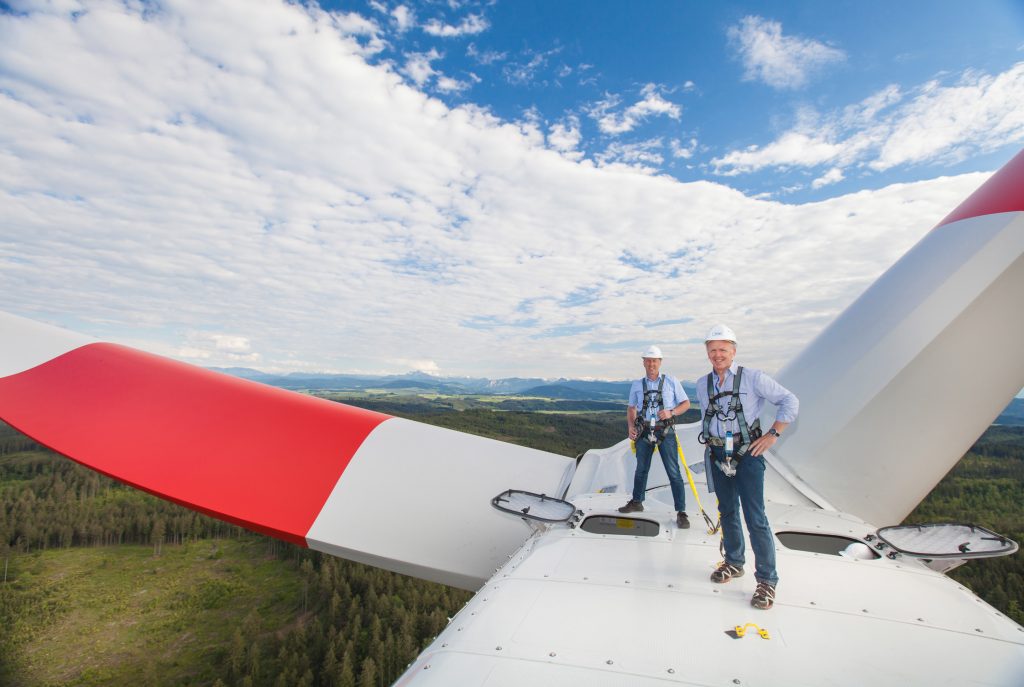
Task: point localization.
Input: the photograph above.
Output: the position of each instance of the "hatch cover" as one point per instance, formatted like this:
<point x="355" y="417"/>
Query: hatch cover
<point x="950" y="540"/>
<point x="540" y="507"/>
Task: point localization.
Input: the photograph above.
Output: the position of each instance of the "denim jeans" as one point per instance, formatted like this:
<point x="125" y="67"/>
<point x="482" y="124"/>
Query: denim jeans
<point x="746" y="488"/>
<point x="669" y="450"/>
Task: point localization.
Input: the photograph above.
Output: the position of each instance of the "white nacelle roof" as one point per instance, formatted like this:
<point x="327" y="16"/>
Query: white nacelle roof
<point x="575" y="608"/>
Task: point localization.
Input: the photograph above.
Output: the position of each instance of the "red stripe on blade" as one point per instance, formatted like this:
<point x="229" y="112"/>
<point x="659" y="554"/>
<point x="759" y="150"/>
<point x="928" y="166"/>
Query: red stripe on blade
<point x="254" y="455"/>
<point x="1003" y="192"/>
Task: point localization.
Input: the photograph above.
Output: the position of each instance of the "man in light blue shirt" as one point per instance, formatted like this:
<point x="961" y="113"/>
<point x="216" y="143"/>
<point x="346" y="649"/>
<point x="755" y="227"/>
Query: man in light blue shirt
<point x="728" y="396"/>
<point x="654" y="402"/>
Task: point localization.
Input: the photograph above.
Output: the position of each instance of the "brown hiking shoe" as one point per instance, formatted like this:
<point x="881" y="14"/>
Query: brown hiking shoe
<point x="682" y="521"/>
<point x="726" y="572"/>
<point x="764" y="596"/>
<point x="632" y="507"/>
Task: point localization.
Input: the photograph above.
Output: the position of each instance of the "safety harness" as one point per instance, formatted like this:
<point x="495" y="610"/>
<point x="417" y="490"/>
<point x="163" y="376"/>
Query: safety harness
<point x="734" y="411"/>
<point x="653" y="398"/>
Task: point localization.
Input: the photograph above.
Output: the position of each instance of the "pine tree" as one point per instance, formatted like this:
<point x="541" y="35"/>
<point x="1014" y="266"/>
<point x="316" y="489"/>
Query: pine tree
<point x="368" y="673"/>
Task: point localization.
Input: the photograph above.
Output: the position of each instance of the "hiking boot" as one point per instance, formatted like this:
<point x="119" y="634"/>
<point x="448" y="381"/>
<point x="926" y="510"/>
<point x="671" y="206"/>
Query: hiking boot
<point x="632" y="507"/>
<point x="764" y="596"/>
<point x="725" y="572"/>
<point x="682" y="521"/>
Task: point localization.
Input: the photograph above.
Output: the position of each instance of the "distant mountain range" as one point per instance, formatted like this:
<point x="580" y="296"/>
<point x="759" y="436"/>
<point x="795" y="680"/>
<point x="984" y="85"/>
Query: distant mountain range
<point x="557" y="389"/>
<point x="1013" y="414"/>
<point x="418" y="382"/>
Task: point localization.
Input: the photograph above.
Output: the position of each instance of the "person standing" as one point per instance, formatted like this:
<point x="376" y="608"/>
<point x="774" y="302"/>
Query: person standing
<point x="654" y="402"/>
<point x="728" y="395"/>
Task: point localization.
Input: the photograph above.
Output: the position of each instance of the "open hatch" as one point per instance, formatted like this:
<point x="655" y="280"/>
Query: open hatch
<point x="532" y="506"/>
<point x="950" y="540"/>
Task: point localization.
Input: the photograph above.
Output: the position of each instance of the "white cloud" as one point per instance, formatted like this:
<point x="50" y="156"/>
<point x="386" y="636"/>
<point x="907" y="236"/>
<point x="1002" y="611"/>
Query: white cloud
<point x="404" y="18"/>
<point x="978" y="114"/>
<point x="469" y="26"/>
<point x="486" y="57"/>
<point x="792" y="149"/>
<point x="425" y="366"/>
<point x="418" y="66"/>
<point x="652" y="104"/>
<point x="524" y="73"/>
<point x="207" y="347"/>
<point x="645" y="155"/>
<point x="565" y="137"/>
<point x="239" y="169"/>
<point x="446" y="84"/>
<point x="777" y="60"/>
<point x="929" y="124"/>
<point x="230" y="343"/>
<point x="832" y="176"/>
<point x="355" y="24"/>
<point x="681" y="150"/>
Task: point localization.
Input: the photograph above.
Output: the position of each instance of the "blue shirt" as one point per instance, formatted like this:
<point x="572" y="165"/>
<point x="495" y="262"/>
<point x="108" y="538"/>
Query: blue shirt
<point x="672" y="393"/>
<point x="756" y="387"/>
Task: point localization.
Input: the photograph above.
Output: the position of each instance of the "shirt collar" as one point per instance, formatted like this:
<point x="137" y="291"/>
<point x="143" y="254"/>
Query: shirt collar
<point x="732" y="372"/>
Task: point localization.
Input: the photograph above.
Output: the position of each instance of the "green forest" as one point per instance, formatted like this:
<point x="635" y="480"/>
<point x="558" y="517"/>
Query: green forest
<point x="101" y="584"/>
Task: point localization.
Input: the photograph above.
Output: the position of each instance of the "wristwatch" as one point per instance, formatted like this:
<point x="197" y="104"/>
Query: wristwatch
<point x="774" y="433"/>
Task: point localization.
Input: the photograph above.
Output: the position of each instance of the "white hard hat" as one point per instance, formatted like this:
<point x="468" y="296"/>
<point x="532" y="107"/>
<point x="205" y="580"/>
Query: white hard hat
<point x="720" y="333"/>
<point x="652" y="352"/>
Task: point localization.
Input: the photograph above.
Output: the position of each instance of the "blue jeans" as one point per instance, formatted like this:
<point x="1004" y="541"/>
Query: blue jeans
<point x="669" y="451"/>
<point x="747" y="487"/>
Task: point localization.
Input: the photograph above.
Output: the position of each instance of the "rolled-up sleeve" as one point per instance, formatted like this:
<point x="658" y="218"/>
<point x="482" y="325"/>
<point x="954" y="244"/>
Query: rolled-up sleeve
<point x="678" y="392"/>
<point x="787" y="403"/>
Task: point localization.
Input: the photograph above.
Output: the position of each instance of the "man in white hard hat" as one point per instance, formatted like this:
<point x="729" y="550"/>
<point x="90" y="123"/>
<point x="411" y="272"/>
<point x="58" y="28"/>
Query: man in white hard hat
<point x="728" y="396"/>
<point x="654" y="402"/>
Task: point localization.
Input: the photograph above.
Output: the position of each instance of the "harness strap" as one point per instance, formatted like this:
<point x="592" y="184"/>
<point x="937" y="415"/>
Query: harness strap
<point x="737" y="407"/>
<point x="709" y="412"/>
<point x="734" y="411"/>
<point x="653" y="397"/>
<point x="648" y="393"/>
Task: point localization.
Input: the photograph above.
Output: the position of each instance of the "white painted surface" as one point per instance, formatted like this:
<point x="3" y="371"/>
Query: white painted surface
<point x="24" y="344"/>
<point x="899" y="386"/>
<point x="417" y="499"/>
<point x="573" y="608"/>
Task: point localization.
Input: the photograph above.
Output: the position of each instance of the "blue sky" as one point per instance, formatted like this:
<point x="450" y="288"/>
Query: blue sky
<point x="683" y="87"/>
<point x="495" y="189"/>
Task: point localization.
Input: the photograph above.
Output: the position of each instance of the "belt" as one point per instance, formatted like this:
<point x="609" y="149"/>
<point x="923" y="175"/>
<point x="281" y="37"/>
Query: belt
<point x="718" y="442"/>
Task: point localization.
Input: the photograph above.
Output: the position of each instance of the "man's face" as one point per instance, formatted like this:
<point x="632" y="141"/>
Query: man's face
<point x="721" y="354"/>
<point x="653" y="367"/>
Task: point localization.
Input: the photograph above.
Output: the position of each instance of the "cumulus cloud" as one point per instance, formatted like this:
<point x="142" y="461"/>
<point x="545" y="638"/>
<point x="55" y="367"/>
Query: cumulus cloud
<point x="565" y="137"/>
<point x="446" y="84"/>
<point x="203" y="346"/>
<point x="977" y="114"/>
<point x="240" y="170"/>
<point x="683" y="150"/>
<point x="933" y="123"/>
<point x="469" y="26"/>
<point x="645" y="155"/>
<point x="404" y="18"/>
<point x="832" y="176"/>
<point x="784" y="62"/>
<point x="425" y="366"/>
<point x="652" y="104"/>
<point x="418" y="66"/>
